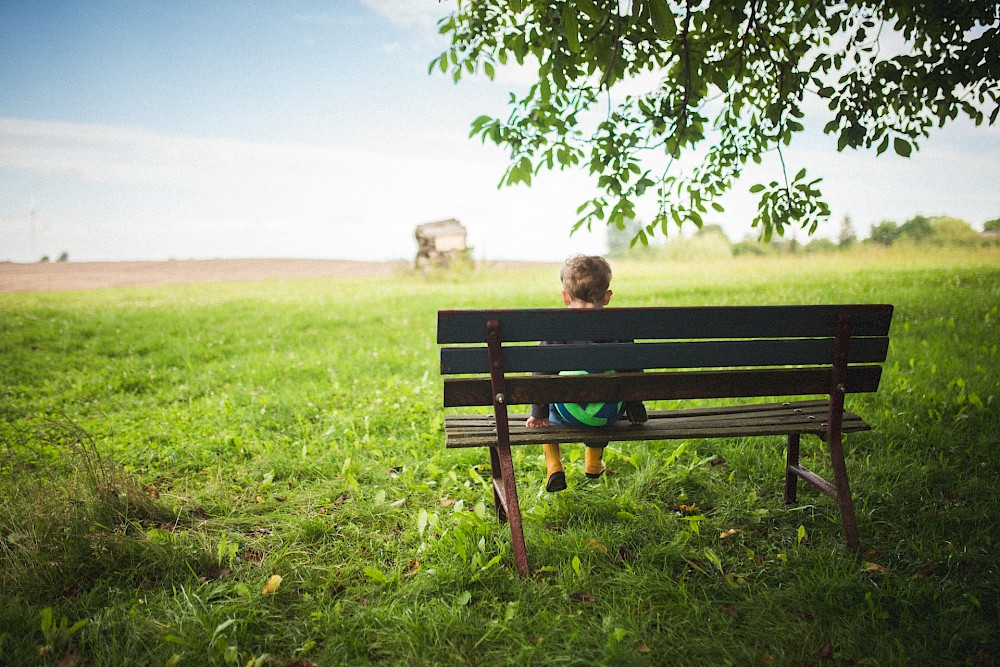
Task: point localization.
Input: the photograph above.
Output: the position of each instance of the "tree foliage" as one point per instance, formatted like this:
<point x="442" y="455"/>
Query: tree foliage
<point x="939" y="230"/>
<point x="728" y="84"/>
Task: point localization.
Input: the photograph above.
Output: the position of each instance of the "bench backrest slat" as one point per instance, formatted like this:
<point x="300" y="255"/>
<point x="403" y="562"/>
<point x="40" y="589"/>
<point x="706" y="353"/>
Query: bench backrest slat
<point x="681" y="323"/>
<point x="462" y="392"/>
<point x="694" y="354"/>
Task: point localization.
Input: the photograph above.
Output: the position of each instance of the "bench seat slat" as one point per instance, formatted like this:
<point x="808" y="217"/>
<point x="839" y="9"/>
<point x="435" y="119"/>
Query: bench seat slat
<point x="720" y="410"/>
<point x="676" y="385"/>
<point x="737" y="421"/>
<point x="469" y="326"/>
<point x="696" y="354"/>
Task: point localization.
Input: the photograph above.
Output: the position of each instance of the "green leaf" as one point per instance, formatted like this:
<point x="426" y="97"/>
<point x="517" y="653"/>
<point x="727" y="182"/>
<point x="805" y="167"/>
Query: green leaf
<point x="902" y="147"/>
<point x="76" y="627"/>
<point x="713" y="558"/>
<point x="46" y="619"/>
<point x="493" y="561"/>
<point x="663" y="19"/>
<point x="376" y="575"/>
<point x="882" y="146"/>
<point x="756" y="187"/>
<point x="590" y="9"/>
<point x="571" y="29"/>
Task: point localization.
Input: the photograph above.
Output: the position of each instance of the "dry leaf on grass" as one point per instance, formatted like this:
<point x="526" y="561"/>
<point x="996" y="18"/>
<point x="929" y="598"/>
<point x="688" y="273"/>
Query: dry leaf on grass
<point x="596" y="545"/>
<point x="70" y="658"/>
<point x="875" y="568"/>
<point x="272" y="585"/>
<point x="729" y="610"/>
<point x="625" y="556"/>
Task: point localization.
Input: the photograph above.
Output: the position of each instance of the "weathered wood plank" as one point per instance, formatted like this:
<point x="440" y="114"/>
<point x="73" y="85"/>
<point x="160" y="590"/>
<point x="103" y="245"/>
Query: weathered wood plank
<point x="675" y="385"/>
<point x="599" y="357"/>
<point x="809" y="321"/>
<point x="797" y="410"/>
<point x="812" y="405"/>
<point x="753" y="420"/>
<point x="814" y="479"/>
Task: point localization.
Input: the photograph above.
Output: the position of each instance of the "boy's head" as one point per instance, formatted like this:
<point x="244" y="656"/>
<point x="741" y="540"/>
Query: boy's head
<point x="585" y="281"/>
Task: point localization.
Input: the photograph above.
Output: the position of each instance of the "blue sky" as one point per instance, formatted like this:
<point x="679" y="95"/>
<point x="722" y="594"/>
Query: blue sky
<point x="140" y="130"/>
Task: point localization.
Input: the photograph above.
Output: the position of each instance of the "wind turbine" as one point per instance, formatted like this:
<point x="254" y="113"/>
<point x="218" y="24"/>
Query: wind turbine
<point x="31" y="219"/>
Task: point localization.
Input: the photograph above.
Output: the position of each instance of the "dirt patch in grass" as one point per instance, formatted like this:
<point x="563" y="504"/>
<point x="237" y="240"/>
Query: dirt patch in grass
<point x="68" y="276"/>
<point x="63" y="276"/>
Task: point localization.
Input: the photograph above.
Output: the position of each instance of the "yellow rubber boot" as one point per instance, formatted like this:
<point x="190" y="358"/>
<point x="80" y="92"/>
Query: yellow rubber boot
<point x="554" y="473"/>
<point x="593" y="462"/>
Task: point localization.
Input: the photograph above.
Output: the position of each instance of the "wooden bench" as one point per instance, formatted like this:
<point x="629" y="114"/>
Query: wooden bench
<point x="679" y="354"/>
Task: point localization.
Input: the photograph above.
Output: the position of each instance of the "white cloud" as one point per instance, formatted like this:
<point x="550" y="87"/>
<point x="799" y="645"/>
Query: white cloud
<point x="328" y="19"/>
<point x="144" y="195"/>
<point x="422" y="14"/>
<point x="118" y="193"/>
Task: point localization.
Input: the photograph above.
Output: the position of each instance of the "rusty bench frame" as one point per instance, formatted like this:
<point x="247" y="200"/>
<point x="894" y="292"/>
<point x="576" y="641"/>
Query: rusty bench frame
<point x="738" y="352"/>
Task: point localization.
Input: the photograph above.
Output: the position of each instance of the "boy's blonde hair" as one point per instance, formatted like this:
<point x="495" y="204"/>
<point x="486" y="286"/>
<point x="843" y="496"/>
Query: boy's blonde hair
<point x="586" y="278"/>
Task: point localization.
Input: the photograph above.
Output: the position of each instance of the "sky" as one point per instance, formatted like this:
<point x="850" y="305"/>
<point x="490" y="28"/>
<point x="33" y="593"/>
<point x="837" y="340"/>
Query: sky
<point x="301" y="129"/>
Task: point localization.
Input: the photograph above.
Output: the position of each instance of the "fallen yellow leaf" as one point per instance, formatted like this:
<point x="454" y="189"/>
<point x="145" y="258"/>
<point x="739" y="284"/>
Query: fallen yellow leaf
<point x="727" y="533"/>
<point x="272" y="585"/>
<point x="595" y="545"/>
<point x="875" y="568"/>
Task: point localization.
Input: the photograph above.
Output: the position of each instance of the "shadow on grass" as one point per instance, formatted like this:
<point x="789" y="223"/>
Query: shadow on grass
<point x="70" y="517"/>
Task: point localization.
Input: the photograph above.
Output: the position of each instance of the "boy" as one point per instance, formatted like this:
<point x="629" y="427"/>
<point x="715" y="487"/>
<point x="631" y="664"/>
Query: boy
<point x="585" y="282"/>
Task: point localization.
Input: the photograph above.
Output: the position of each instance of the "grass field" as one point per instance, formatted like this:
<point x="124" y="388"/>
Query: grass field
<point x="167" y="451"/>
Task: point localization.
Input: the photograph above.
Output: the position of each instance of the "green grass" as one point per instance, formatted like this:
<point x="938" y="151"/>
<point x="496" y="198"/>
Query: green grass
<point x="165" y="451"/>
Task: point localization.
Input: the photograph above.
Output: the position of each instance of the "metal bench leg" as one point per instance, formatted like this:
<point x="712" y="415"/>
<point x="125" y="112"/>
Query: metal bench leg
<point x="508" y="508"/>
<point x="791" y="460"/>
<point x="835" y="440"/>
<point x="504" y="488"/>
<point x="847" y="518"/>
<point x="497" y="478"/>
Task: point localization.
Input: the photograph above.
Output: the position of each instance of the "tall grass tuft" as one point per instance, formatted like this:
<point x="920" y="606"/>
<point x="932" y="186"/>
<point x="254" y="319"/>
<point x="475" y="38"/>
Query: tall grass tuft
<point x="69" y="515"/>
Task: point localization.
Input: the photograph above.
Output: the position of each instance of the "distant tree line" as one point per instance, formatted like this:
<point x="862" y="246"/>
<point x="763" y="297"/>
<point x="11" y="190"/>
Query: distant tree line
<point x="712" y="241"/>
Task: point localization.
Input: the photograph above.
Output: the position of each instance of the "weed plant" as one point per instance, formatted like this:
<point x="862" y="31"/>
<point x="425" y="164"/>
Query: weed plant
<point x="168" y="451"/>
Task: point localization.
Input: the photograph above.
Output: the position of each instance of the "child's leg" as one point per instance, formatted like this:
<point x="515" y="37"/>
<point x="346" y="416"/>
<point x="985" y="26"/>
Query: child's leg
<point x="593" y="460"/>
<point x="555" y="476"/>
